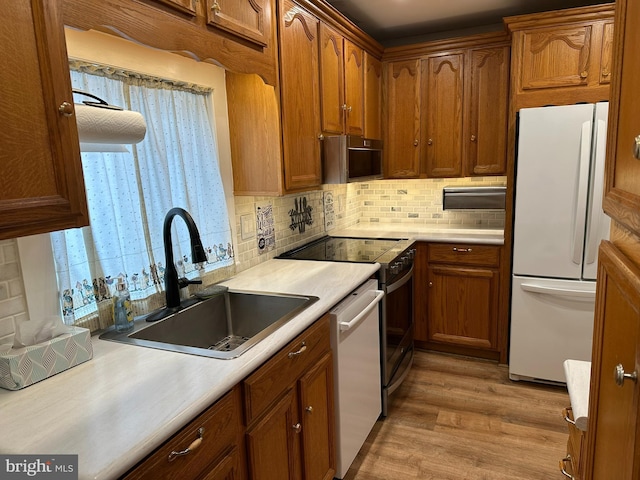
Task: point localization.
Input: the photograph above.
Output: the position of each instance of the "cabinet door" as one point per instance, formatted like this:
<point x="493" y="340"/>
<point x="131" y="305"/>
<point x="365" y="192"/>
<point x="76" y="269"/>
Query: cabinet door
<point x="606" y="56"/>
<point x="300" y="97"/>
<point x="614" y="451"/>
<point x="228" y="468"/>
<point x="463" y="305"/>
<point x="316" y="407"/>
<point x="622" y="170"/>
<point x="354" y="88"/>
<point x="402" y="141"/>
<point x="41" y="183"/>
<point x="556" y="57"/>
<point x="372" y="97"/>
<point x="485" y="136"/>
<point x="247" y="19"/>
<point x="331" y="80"/>
<point x="443" y="80"/>
<point x="273" y="444"/>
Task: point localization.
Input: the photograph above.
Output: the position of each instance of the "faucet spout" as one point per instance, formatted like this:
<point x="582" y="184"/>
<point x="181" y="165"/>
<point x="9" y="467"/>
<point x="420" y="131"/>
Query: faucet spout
<point x="171" y="281"/>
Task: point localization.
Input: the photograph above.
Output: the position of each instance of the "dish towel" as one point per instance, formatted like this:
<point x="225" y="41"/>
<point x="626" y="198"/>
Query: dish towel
<point x="578" y="374"/>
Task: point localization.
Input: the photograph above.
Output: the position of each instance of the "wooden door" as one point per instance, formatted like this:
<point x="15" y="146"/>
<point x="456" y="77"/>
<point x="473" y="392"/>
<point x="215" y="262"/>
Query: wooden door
<point x="41" y="182"/>
<point x="273" y="444"/>
<point x="556" y="57"/>
<point x="332" y="80"/>
<point x="485" y="133"/>
<point x="613" y="406"/>
<point x="353" y="88"/>
<point x="300" y="97"/>
<point x="622" y="170"/>
<point x="317" y="419"/>
<point x="372" y="97"/>
<point x="606" y="55"/>
<point x="463" y="305"/>
<point x="247" y="19"/>
<point x="443" y="90"/>
<point x="402" y="133"/>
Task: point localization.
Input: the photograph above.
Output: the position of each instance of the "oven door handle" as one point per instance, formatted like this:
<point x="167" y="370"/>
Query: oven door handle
<point x="400" y="283"/>
<point x="352" y="323"/>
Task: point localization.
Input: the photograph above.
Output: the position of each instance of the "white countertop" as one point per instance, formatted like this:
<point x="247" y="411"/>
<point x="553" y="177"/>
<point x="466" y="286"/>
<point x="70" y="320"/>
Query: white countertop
<point x="424" y="233"/>
<point x="119" y="406"/>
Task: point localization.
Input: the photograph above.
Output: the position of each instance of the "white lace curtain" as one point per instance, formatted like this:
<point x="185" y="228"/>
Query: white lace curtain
<point x="129" y="194"/>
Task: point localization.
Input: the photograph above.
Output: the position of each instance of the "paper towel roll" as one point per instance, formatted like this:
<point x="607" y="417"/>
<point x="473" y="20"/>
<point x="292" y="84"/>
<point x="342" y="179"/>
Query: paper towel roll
<point x="578" y="375"/>
<point x="103" y="125"/>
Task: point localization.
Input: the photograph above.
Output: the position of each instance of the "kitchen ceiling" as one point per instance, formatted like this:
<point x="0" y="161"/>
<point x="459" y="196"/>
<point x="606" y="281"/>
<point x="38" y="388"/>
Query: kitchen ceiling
<point x="398" y="22"/>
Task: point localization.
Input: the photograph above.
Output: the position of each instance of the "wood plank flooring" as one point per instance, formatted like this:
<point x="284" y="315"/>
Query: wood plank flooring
<point x="456" y="418"/>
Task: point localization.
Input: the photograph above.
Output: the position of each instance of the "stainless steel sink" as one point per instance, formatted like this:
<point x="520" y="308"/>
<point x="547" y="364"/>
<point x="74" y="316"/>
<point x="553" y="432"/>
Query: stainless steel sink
<point x="224" y="326"/>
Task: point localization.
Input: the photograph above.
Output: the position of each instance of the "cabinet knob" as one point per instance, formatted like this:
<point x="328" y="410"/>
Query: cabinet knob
<point x="430" y="284"/>
<point x="606" y="74"/>
<point x="297" y="427"/>
<point x="215" y="7"/>
<point x="430" y="142"/>
<point x="344" y="107"/>
<point x="194" y="445"/>
<point x="320" y="136"/>
<point x="415" y="143"/>
<point x="309" y="409"/>
<point x="473" y="138"/>
<point x="584" y="74"/>
<point x="636" y="148"/>
<point x="620" y="376"/>
<point x="65" y="109"/>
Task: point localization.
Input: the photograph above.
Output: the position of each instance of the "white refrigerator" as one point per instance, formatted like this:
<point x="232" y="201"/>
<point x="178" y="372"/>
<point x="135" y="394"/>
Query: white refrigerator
<point x="558" y="226"/>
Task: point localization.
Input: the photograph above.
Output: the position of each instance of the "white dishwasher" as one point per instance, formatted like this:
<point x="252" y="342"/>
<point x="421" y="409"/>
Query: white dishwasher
<point x="355" y="340"/>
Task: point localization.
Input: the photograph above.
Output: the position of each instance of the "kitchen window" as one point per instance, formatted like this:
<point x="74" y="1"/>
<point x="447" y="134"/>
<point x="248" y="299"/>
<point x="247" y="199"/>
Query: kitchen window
<point x="129" y="193"/>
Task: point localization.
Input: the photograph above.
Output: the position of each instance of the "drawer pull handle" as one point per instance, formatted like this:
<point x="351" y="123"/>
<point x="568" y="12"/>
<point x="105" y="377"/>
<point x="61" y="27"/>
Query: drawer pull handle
<point x="297" y="427"/>
<point x="565" y="413"/>
<point x="636" y="148"/>
<point x="464" y="250"/>
<point x="620" y="376"/>
<point x="564" y="472"/>
<point x="299" y="352"/>
<point x="194" y="445"/>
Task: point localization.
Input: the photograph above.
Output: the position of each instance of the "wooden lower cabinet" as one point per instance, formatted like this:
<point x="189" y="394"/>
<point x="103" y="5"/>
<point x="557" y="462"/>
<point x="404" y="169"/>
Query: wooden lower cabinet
<point x="290" y="432"/>
<point x="211" y="447"/>
<point x="573" y="463"/>
<point x="457" y="295"/>
<point x="288" y="428"/>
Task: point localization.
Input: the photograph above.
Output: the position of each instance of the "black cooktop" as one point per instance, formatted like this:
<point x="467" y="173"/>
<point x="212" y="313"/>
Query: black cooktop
<point x="345" y="249"/>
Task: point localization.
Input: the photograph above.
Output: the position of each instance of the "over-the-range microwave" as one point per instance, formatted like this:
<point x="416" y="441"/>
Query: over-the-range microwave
<point x="349" y="158"/>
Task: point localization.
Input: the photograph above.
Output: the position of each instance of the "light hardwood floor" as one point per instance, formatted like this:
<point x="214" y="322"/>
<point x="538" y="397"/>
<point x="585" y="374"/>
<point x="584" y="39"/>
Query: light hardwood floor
<point x="458" y="418"/>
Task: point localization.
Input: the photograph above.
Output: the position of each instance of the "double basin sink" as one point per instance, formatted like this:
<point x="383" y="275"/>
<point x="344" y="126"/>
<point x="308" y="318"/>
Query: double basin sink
<point x="223" y="326"/>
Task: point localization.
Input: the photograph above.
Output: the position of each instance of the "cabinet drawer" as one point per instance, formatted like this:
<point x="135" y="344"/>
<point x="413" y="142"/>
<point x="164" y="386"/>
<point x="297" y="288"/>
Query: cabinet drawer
<point x="221" y="424"/>
<point x="267" y="383"/>
<point x="464" y="254"/>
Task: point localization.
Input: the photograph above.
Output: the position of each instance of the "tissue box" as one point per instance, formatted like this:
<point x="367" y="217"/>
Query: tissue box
<point x="21" y="367"/>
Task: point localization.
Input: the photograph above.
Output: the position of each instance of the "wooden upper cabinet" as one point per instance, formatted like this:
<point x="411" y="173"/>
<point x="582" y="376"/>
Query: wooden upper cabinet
<point x="300" y="97"/>
<point x="372" y="97"/>
<point x="557" y="56"/>
<point x="485" y="132"/>
<point x="41" y="182"/>
<point x="332" y="80"/>
<point x="443" y="92"/>
<point x="402" y="119"/>
<point x="622" y="168"/>
<point x="341" y="77"/>
<point x="247" y="19"/>
<point x="353" y="88"/>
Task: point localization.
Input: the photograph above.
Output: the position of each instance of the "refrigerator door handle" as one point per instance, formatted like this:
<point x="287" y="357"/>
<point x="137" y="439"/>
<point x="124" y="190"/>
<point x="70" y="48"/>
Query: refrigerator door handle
<point x="581" y="198"/>
<point x="595" y="215"/>
<point x="575" y="294"/>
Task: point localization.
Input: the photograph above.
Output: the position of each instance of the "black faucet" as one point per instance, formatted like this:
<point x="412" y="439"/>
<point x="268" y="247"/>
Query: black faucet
<point x="172" y="283"/>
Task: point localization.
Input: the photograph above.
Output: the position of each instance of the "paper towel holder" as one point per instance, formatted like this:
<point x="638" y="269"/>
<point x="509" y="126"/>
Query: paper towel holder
<point x="100" y="103"/>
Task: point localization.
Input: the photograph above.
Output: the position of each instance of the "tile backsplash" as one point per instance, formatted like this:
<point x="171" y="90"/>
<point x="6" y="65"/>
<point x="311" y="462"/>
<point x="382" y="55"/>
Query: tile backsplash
<point x="382" y="201"/>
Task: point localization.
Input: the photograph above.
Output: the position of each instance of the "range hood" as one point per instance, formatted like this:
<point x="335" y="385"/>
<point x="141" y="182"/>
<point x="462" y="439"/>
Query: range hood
<point x="473" y="198"/>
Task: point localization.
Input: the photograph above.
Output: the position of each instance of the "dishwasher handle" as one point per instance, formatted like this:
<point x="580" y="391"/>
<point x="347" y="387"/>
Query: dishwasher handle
<point x="353" y="322"/>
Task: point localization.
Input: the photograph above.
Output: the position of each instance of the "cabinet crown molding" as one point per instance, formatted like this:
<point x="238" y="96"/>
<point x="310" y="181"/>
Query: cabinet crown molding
<point x="559" y="17"/>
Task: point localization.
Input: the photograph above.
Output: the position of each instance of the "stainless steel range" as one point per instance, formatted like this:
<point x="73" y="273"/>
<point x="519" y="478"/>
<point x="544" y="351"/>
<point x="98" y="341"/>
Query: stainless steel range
<point x="395" y="278"/>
